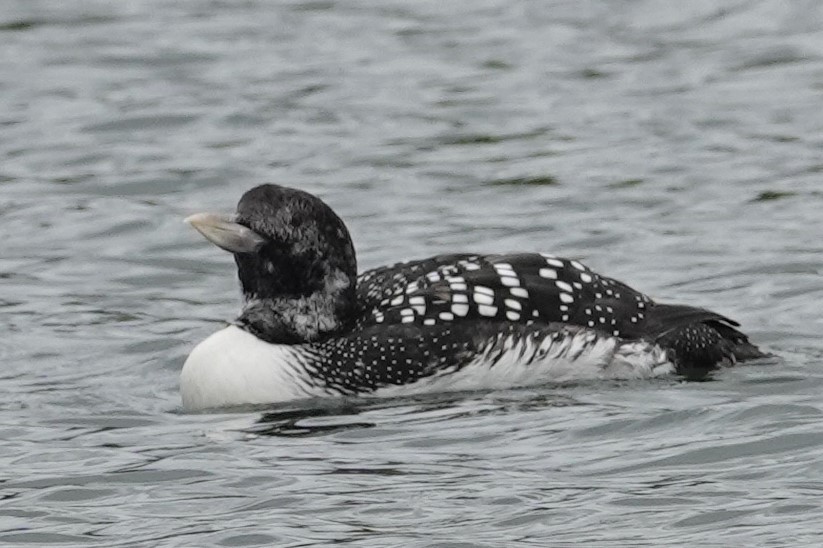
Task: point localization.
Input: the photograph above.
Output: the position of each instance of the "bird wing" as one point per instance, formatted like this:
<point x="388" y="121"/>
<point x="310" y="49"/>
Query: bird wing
<point x="523" y="287"/>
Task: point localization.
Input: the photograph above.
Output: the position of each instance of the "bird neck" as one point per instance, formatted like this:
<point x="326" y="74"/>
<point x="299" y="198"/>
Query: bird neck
<point x="302" y="318"/>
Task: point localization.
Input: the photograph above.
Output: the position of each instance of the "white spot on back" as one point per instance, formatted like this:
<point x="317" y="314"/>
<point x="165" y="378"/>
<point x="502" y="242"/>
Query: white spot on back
<point x="510" y="281"/>
<point x="563" y="286"/>
<point x="486" y="310"/>
<point x="519" y="292"/>
<point x="460" y="309"/>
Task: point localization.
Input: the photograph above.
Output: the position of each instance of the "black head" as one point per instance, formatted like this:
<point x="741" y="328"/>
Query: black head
<point x="295" y="260"/>
<point x="304" y="244"/>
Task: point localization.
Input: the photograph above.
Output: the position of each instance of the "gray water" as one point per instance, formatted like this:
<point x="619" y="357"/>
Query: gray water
<point x="672" y="145"/>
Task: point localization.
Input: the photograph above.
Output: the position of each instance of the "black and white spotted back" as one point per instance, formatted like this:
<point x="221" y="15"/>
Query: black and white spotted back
<point x="524" y="288"/>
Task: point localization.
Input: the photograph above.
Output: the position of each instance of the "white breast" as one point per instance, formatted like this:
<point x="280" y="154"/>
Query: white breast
<point x="233" y="367"/>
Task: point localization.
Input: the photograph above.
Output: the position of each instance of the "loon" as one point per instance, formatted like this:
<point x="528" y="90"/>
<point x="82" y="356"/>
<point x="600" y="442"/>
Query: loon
<point x="310" y="326"/>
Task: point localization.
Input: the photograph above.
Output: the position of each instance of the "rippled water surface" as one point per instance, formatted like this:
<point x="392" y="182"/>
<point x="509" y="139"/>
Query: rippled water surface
<point x="673" y="145"/>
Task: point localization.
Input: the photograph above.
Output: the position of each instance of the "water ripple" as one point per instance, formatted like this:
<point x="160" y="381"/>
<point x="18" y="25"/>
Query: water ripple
<point x="676" y="149"/>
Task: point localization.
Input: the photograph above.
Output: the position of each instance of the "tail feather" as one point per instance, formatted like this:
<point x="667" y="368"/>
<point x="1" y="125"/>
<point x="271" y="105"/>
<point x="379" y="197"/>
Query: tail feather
<point x="699" y="340"/>
<point x="742" y="348"/>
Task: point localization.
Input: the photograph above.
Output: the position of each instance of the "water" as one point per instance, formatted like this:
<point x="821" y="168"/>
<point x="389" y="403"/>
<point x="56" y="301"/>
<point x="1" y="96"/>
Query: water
<point x="675" y="146"/>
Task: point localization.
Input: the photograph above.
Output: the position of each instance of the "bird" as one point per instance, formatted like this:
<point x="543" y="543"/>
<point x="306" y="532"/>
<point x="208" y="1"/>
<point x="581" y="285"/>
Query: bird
<point x="311" y="326"/>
